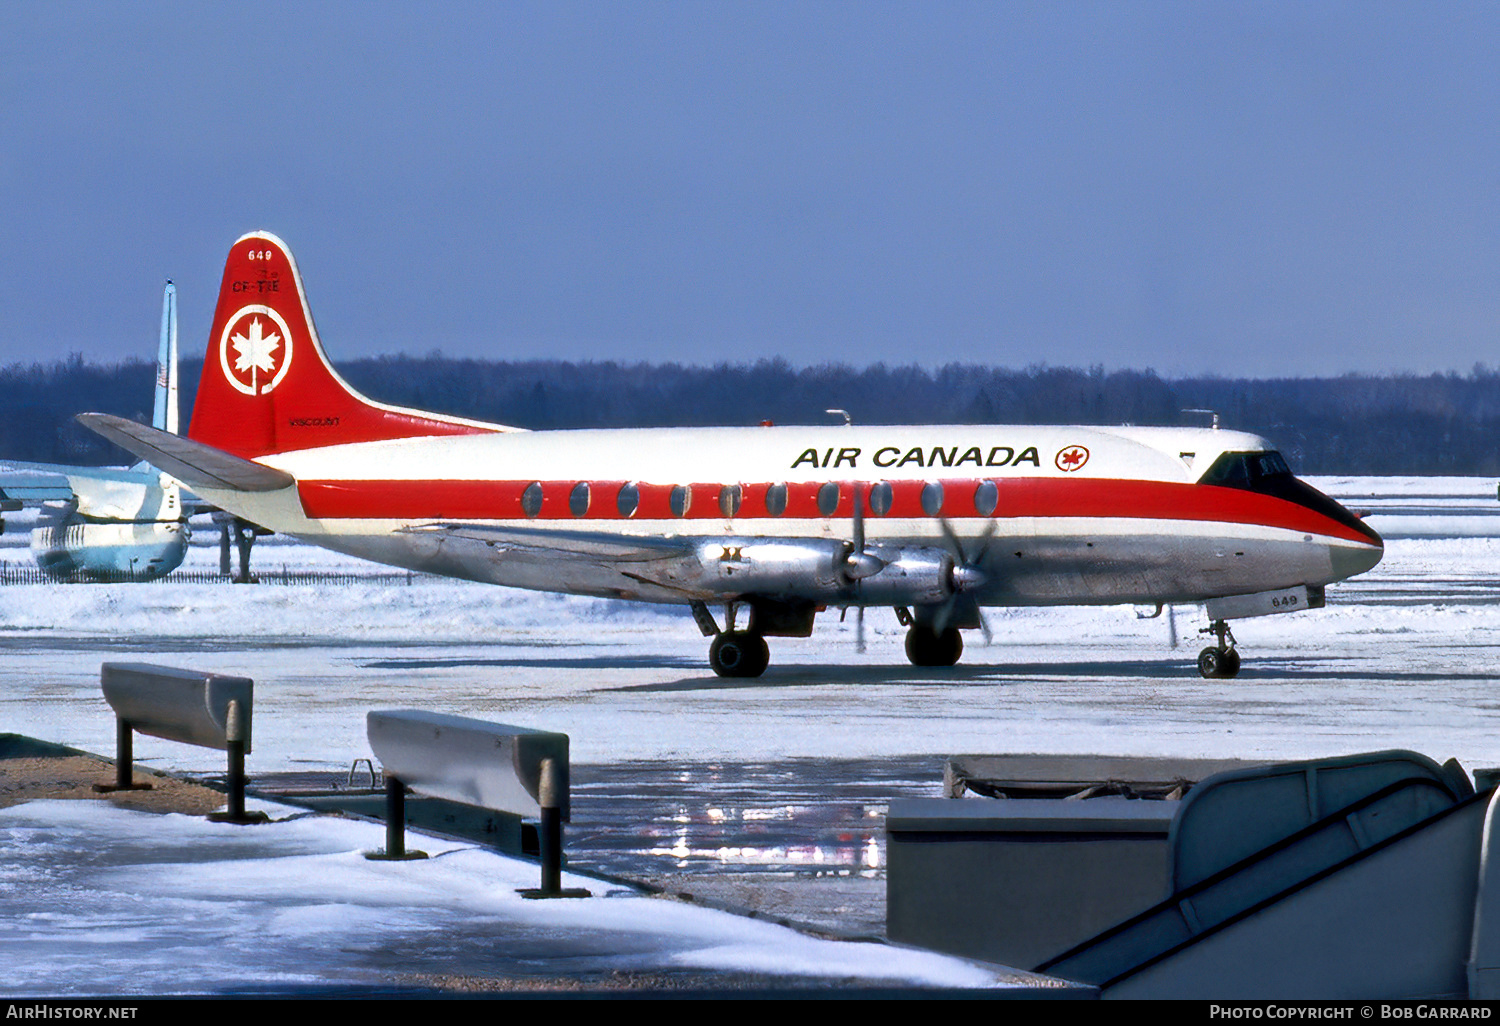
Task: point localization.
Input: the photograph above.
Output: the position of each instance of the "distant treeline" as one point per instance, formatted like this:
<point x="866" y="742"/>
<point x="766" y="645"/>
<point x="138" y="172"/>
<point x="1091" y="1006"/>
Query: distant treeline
<point x="1355" y="424"/>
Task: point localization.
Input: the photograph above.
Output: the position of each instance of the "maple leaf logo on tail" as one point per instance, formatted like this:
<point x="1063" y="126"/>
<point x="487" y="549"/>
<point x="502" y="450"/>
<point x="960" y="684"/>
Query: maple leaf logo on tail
<point x="258" y="351"/>
<point x="262" y="347"/>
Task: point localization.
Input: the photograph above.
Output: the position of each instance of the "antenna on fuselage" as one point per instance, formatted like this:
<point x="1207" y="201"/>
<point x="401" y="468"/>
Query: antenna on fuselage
<point x="848" y="420"/>
<point x="1211" y="413"/>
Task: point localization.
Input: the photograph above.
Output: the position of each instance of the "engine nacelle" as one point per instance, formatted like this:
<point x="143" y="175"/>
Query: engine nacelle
<point x="818" y="571"/>
<point x="794" y="568"/>
<point x="910" y="577"/>
<point x="72" y="549"/>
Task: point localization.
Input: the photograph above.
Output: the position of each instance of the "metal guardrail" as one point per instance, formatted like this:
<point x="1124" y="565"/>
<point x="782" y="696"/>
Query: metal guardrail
<point x="209" y="710"/>
<point x="517" y="770"/>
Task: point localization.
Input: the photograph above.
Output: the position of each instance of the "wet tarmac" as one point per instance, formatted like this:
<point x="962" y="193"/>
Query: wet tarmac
<point x="801" y="841"/>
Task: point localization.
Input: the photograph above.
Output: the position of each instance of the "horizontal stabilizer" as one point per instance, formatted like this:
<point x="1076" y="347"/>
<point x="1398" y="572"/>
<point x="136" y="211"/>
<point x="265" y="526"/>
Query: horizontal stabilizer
<point x="193" y="463"/>
<point x="33" y="483"/>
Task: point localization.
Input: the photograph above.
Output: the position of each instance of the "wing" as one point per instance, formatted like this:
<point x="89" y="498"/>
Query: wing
<point x="676" y="568"/>
<point x="97" y="490"/>
<point x="584" y="562"/>
<point x="610" y="548"/>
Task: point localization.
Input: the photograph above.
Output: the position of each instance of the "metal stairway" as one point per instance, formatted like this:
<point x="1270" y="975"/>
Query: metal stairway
<point x="1350" y="877"/>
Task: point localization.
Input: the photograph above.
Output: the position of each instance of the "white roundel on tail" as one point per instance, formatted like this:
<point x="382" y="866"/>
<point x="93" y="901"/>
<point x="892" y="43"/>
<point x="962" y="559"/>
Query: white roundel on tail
<point x="255" y="350"/>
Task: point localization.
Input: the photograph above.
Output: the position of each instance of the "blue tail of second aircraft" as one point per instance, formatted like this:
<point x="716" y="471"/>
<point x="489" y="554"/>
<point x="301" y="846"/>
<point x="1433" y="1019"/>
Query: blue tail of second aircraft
<point x="164" y="414"/>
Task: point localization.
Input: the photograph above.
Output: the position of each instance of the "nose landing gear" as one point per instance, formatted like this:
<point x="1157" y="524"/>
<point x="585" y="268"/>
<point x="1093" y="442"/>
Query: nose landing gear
<point x="1222" y="661"/>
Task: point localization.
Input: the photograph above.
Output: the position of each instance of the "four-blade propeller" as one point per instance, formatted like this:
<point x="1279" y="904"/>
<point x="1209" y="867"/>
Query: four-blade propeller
<point x="966" y="576"/>
<point x="859" y="564"/>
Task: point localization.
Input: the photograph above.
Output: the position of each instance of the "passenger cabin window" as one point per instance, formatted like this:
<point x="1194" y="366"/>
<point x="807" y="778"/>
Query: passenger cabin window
<point x="828" y="499"/>
<point x="629" y="500"/>
<point x="578" y="499"/>
<point x="776" y="500"/>
<point x="729" y="500"/>
<point x="986" y="498"/>
<point x="932" y="499"/>
<point x="531" y="499"/>
<point x="679" y="500"/>
<point x="880" y="499"/>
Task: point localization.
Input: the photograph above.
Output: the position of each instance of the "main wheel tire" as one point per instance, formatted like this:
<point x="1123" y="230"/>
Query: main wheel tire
<point x="739" y="654"/>
<point x="1219" y="663"/>
<point x="1231" y="664"/>
<point x="927" y="647"/>
<point x="1211" y="663"/>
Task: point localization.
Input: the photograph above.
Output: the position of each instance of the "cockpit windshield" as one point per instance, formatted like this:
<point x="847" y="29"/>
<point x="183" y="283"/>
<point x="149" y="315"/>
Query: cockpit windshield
<point x="1266" y="473"/>
<point x="1246" y="469"/>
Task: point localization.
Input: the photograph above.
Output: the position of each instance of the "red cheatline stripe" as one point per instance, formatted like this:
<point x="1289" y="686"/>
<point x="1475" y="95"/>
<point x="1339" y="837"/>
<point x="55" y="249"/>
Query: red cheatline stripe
<point x="1024" y="497"/>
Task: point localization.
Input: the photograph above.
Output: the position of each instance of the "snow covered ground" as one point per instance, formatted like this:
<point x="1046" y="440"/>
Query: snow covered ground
<point x="1403" y="657"/>
<point x="96" y="900"/>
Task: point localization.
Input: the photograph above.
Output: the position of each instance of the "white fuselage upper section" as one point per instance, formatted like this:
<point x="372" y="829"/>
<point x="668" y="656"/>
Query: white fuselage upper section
<point x="866" y="453"/>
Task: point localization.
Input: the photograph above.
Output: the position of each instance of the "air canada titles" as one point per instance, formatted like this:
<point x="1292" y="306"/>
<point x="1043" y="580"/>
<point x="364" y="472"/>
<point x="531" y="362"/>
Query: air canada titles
<point x="920" y="456"/>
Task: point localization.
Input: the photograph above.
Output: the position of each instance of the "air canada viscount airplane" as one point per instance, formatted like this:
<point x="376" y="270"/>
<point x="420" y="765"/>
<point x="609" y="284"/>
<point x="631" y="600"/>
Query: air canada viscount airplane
<point x="934" y="521"/>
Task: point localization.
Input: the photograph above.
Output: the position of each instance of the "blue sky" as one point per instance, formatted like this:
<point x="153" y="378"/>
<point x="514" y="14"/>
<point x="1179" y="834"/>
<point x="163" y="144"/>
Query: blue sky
<point x="1264" y="189"/>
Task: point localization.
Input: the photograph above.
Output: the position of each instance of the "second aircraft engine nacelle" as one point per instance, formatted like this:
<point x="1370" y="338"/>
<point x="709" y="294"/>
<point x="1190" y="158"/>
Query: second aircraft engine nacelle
<point x="818" y="571"/>
<point x="910" y="577"/>
<point x="71" y="549"/>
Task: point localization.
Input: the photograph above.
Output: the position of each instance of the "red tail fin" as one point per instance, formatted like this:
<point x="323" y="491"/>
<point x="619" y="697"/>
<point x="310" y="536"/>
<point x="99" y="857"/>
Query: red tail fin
<point x="267" y="385"/>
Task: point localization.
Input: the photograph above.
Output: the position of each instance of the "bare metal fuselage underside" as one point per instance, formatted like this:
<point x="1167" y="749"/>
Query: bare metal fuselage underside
<point x="1093" y="562"/>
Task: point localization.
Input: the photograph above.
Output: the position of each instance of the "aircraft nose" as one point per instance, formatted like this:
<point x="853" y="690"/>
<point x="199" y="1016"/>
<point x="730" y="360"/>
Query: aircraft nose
<point x="1349" y="560"/>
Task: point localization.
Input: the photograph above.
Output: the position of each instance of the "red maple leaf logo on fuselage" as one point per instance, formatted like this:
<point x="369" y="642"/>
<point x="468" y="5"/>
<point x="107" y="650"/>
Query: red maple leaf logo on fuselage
<point x="1070" y="458"/>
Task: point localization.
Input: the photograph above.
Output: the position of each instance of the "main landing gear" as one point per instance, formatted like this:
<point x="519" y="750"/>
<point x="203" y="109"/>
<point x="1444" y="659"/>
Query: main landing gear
<point x="927" y="646"/>
<point x="1222" y="661"/>
<point x="244" y="534"/>
<point x="733" y="653"/>
<point x="739" y="654"/>
<point x="744" y="653"/>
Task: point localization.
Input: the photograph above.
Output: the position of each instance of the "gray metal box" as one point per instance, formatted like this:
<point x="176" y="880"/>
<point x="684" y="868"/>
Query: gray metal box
<point x="1019" y="881"/>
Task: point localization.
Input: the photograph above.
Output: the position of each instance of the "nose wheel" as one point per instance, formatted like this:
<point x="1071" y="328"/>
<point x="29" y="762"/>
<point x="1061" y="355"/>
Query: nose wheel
<point x="1221" y="661"/>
